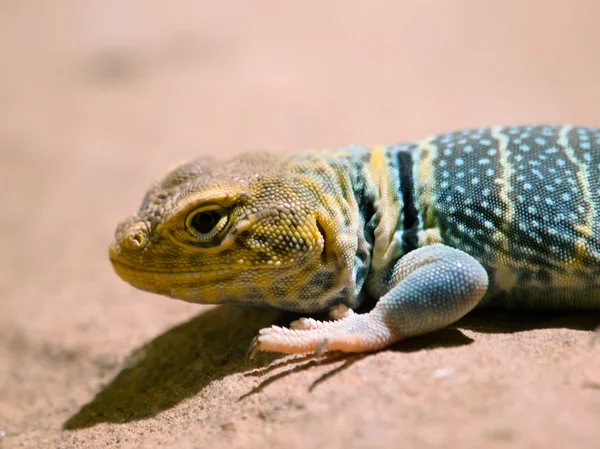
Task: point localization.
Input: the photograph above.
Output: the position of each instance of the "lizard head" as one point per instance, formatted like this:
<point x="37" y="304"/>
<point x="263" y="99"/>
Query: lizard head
<point x="248" y="231"/>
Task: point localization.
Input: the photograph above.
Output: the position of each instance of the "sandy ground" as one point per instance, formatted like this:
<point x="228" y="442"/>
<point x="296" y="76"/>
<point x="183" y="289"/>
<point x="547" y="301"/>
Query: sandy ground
<point x="98" y="98"/>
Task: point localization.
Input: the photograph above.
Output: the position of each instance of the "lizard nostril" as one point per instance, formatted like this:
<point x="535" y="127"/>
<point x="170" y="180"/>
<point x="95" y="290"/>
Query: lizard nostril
<point x="134" y="240"/>
<point x="137" y="239"/>
<point x="132" y="234"/>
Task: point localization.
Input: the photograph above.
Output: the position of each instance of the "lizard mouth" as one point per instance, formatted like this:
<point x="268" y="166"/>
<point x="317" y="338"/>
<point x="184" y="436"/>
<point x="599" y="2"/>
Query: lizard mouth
<point x="128" y="271"/>
<point x="193" y="286"/>
<point x="156" y="281"/>
<point x="118" y="265"/>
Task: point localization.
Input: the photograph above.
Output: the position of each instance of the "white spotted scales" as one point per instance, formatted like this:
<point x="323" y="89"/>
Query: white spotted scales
<point x="505" y="216"/>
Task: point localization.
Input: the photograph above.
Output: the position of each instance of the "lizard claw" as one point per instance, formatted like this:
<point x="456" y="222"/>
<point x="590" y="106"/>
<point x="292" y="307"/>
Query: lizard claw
<point x="321" y="348"/>
<point x="253" y="349"/>
<point x="257" y="346"/>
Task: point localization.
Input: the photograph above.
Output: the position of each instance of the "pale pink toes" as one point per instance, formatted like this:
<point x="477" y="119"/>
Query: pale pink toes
<point x="354" y="333"/>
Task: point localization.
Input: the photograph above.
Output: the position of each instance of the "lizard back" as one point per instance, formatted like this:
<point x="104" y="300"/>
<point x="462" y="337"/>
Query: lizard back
<point x="524" y="201"/>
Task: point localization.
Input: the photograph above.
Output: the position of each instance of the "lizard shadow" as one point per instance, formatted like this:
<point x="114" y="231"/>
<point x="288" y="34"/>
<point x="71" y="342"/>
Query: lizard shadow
<point x="177" y="365"/>
<point x="483" y="321"/>
<point x="181" y="362"/>
<point x="443" y="338"/>
<point x="502" y="321"/>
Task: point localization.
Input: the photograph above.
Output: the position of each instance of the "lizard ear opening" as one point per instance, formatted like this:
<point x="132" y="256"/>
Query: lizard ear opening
<point x="324" y="235"/>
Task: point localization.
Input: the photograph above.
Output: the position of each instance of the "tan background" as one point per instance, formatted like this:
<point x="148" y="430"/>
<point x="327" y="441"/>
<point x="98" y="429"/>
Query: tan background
<point x="98" y="98"/>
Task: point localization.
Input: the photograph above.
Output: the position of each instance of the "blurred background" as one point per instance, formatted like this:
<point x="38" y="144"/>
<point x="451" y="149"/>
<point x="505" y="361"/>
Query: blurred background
<point x="99" y="97"/>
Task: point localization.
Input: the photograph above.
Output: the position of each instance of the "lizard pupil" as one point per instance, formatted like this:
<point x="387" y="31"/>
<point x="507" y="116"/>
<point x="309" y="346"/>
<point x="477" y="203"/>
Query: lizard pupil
<point x="205" y="222"/>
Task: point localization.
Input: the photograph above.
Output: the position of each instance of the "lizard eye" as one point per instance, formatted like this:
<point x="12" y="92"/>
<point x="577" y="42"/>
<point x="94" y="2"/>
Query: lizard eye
<point x="207" y="224"/>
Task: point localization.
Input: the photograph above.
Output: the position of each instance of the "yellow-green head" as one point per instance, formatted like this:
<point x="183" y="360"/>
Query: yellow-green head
<point x="250" y="231"/>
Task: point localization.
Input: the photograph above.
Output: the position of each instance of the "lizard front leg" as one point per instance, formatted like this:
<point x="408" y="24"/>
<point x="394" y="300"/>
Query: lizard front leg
<point x="429" y="288"/>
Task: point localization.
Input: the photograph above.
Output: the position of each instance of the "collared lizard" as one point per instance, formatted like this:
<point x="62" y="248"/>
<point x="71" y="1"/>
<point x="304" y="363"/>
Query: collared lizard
<point x="504" y="216"/>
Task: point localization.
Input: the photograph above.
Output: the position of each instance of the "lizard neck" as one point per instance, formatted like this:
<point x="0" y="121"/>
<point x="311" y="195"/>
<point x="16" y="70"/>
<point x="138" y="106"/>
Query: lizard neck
<point x="368" y="196"/>
<point x="390" y="191"/>
<point x="390" y="183"/>
<point x="347" y="209"/>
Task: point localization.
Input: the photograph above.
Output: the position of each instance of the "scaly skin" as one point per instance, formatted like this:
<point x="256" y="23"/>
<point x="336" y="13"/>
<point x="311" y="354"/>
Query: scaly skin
<point x="500" y="216"/>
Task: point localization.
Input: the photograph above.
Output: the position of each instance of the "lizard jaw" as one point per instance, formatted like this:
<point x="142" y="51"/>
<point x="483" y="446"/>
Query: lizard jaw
<point x="187" y="285"/>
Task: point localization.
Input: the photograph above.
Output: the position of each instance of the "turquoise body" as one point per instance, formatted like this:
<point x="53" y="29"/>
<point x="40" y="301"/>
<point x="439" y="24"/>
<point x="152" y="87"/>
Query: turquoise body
<point x="524" y="201"/>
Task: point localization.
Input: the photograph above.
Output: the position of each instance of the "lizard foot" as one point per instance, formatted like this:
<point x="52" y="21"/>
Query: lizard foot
<point x="353" y="333"/>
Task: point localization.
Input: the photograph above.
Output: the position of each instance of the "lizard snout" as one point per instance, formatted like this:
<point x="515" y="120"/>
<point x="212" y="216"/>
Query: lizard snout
<point x="130" y="235"/>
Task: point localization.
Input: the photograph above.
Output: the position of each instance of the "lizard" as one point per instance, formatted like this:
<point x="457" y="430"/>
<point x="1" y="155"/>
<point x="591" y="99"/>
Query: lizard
<point x="498" y="217"/>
